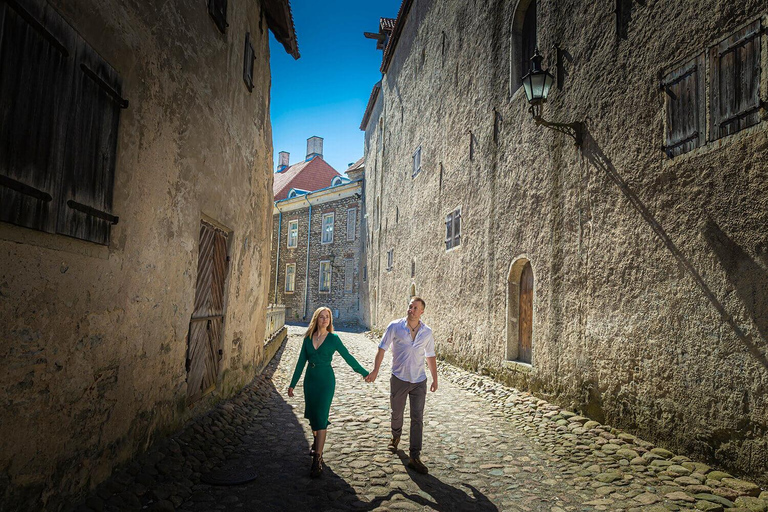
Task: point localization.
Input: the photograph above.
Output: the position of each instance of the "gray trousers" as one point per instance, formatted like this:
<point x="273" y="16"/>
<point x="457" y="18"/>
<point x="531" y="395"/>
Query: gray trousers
<point x="416" y="394"/>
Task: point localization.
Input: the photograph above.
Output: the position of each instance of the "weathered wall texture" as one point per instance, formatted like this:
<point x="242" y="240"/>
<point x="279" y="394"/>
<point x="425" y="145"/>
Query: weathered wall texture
<point x="650" y="274"/>
<point x="94" y="337"/>
<point x="301" y="303"/>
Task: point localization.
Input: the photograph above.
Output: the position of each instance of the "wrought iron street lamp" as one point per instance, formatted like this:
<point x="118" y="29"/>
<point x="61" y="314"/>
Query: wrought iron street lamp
<point x="537" y="84"/>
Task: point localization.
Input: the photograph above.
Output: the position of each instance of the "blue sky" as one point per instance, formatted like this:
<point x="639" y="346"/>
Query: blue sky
<point x="325" y="92"/>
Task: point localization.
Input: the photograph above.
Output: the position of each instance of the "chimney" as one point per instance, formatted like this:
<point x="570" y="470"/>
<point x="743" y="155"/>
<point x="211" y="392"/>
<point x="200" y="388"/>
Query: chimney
<point x="314" y="147"/>
<point x="283" y="158"/>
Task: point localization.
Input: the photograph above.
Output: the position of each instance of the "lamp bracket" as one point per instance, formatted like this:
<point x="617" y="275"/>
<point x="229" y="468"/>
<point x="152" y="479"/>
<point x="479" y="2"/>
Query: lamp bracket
<point x="574" y="130"/>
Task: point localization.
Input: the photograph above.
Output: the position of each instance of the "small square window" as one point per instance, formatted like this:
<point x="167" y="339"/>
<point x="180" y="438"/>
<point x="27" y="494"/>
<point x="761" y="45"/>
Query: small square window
<point x="453" y="229"/>
<point x="416" y="162"/>
<point x="327" y="236"/>
<point x="325" y="277"/>
<point x="293" y="233"/>
<point x="248" y="57"/>
<point x="390" y="259"/>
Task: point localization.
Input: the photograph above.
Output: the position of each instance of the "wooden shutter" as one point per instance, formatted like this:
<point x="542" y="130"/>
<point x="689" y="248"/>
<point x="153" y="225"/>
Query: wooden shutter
<point x="528" y="40"/>
<point x="207" y="322"/>
<point x="735" y="81"/>
<point x="248" y="56"/>
<point x="456" y="228"/>
<point x="36" y="87"/>
<point x="685" y="109"/>
<point x="218" y="11"/>
<point x="525" y="323"/>
<point x="88" y="176"/>
<point x="623" y="18"/>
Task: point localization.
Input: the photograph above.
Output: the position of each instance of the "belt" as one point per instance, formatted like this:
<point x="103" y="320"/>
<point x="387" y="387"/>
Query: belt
<point x="315" y="365"/>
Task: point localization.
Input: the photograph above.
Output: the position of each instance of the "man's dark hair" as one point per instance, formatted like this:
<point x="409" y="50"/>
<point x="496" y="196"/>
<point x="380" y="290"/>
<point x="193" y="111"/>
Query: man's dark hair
<point x="419" y="299"/>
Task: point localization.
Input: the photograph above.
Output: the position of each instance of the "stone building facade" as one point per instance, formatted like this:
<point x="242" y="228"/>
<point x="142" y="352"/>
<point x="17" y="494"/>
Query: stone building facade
<point x="135" y="156"/>
<point x="626" y="277"/>
<point x="329" y="252"/>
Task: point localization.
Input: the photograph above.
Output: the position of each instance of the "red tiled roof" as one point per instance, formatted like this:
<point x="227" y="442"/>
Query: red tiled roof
<point x="312" y="175"/>
<point x="371" y="103"/>
<point x="402" y="15"/>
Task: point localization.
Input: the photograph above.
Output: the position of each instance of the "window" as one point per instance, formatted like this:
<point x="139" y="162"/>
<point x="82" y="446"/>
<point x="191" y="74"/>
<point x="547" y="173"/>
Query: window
<point x="365" y="272"/>
<point x="290" y="278"/>
<point x="349" y="275"/>
<point x="416" y="162"/>
<point x="325" y="277"/>
<point x="218" y="11"/>
<point x="684" y="100"/>
<point x="390" y="259"/>
<point x="327" y="236"/>
<point x="59" y="122"/>
<point x="623" y="18"/>
<point x="453" y="229"/>
<point x="351" y="223"/>
<point x="293" y="233"/>
<point x="735" y="81"/>
<point x="336" y="181"/>
<point x="527" y="40"/>
<point x="248" y="57"/>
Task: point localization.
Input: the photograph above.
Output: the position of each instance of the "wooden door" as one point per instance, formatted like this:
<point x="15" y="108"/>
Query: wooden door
<point x="206" y="325"/>
<point x="526" y="314"/>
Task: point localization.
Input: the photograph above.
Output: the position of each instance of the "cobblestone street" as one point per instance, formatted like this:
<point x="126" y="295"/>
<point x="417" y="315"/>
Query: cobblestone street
<point x="488" y="447"/>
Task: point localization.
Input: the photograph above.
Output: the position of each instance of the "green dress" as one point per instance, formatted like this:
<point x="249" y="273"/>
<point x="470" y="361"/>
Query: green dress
<point x="320" y="382"/>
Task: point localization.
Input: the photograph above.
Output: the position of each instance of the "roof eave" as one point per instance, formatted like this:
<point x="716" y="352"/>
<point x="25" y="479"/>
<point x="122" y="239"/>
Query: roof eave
<point x="280" y="21"/>
<point x="402" y="15"/>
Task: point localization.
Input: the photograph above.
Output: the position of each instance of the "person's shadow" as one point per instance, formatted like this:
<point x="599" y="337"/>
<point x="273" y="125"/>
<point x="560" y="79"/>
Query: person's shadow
<point x="444" y="497"/>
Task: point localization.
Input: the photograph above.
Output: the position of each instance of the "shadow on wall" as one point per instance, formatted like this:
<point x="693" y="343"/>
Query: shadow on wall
<point x="732" y="257"/>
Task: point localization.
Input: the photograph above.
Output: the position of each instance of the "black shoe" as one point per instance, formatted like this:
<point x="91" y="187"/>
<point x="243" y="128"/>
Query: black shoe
<point x="317" y="466"/>
<point x="393" y="444"/>
<point x="416" y="464"/>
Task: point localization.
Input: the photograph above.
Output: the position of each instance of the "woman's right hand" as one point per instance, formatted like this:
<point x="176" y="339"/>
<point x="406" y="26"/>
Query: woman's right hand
<point x="290" y="392"/>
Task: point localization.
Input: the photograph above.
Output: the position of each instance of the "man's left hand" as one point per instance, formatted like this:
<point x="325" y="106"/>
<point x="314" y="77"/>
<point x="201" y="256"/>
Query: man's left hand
<point x="433" y="387"/>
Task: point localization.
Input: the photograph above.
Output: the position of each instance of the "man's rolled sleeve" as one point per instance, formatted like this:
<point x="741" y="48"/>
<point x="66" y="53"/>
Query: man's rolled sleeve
<point x="429" y="346"/>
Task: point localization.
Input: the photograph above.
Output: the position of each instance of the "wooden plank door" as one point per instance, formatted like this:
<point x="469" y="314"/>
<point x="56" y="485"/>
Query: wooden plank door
<point x="526" y="314"/>
<point x="206" y="325"/>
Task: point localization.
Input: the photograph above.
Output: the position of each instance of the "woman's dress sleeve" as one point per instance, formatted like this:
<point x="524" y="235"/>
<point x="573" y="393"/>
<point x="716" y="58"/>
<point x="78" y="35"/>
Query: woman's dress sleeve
<point x="299" y="364"/>
<point x="351" y="361"/>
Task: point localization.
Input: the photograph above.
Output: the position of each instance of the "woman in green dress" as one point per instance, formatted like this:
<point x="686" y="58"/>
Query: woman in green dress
<point x="317" y="349"/>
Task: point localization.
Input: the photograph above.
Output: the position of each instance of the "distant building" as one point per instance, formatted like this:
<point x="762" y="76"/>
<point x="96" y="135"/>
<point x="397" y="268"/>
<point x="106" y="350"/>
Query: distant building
<point x="135" y="142"/>
<point x="317" y="239"/>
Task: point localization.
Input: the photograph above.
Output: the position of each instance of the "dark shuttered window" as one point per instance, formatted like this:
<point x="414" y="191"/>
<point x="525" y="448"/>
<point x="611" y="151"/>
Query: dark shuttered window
<point x="248" y="56"/>
<point x="453" y="229"/>
<point x="623" y="18"/>
<point x="685" y="107"/>
<point x="528" y="39"/>
<point x="735" y="80"/>
<point x="218" y="11"/>
<point x="58" y="129"/>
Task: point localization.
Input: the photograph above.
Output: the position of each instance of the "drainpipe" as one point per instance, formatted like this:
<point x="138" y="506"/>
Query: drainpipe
<point x="306" y="274"/>
<point x="277" y="259"/>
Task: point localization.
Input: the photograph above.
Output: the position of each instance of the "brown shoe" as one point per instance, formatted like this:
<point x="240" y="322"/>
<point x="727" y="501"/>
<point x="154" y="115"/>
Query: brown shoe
<point x="416" y="464"/>
<point x="393" y="444"/>
<point x="317" y="466"/>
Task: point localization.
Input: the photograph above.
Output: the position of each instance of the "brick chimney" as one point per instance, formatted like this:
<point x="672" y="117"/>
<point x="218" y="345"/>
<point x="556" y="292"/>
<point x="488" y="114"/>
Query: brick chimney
<point x="314" y="147"/>
<point x="283" y="158"/>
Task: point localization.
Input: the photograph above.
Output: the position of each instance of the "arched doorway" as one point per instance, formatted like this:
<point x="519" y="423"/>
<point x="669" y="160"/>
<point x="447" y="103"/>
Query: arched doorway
<point x="520" y="290"/>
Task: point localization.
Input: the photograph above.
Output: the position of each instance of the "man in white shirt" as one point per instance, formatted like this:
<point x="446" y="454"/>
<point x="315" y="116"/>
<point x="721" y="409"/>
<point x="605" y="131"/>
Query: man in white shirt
<point x="412" y="343"/>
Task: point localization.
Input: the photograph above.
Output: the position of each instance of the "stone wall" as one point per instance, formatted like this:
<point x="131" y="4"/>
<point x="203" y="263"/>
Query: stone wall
<point x="300" y="307"/>
<point x="95" y="337"/>
<point x="650" y="273"/>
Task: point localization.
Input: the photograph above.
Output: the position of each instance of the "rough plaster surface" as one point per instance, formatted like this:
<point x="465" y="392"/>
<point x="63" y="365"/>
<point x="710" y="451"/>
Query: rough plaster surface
<point x="94" y="344"/>
<point x="651" y="275"/>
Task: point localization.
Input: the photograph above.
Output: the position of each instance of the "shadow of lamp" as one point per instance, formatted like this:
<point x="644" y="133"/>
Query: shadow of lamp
<point x="537" y="84"/>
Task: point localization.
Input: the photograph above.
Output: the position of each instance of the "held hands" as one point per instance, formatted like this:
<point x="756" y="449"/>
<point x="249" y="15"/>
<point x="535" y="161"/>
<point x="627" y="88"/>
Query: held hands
<point x="372" y="376"/>
<point x="290" y="392"/>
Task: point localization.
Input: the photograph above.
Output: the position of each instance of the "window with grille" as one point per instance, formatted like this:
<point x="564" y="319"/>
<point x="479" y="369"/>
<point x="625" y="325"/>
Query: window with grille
<point x="390" y="259"/>
<point x="416" y="162"/>
<point x="351" y="223"/>
<point x="735" y="81"/>
<point x="290" y="277"/>
<point x="327" y="236"/>
<point x="59" y="121"/>
<point x="293" y="233"/>
<point x="218" y="11"/>
<point x="349" y="275"/>
<point x="325" y="277"/>
<point x="685" y="107"/>
<point x="453" y="229"/>
<point x="248" y="57"/>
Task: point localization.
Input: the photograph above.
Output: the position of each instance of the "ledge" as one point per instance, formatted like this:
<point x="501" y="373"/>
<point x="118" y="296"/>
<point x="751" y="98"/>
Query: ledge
<point x="518" y="366"/>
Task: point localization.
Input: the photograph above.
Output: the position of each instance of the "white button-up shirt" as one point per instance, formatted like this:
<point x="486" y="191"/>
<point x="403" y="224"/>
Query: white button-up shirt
<point x="408" y="355"/>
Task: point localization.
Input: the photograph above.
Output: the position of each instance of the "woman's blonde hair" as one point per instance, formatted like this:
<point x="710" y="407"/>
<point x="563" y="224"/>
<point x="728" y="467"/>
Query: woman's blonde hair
<point x="313" y="323"/>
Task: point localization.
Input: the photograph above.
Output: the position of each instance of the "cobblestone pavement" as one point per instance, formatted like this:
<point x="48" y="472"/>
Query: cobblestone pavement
<point x="488" y="448"/>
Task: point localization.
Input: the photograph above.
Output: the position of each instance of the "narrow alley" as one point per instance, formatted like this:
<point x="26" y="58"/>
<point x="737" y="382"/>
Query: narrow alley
<point x="488" y="447"/>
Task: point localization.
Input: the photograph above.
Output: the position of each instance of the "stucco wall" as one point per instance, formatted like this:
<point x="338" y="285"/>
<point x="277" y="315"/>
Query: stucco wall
<point x="94" y="338"/>
<point x="651" y="275"/>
